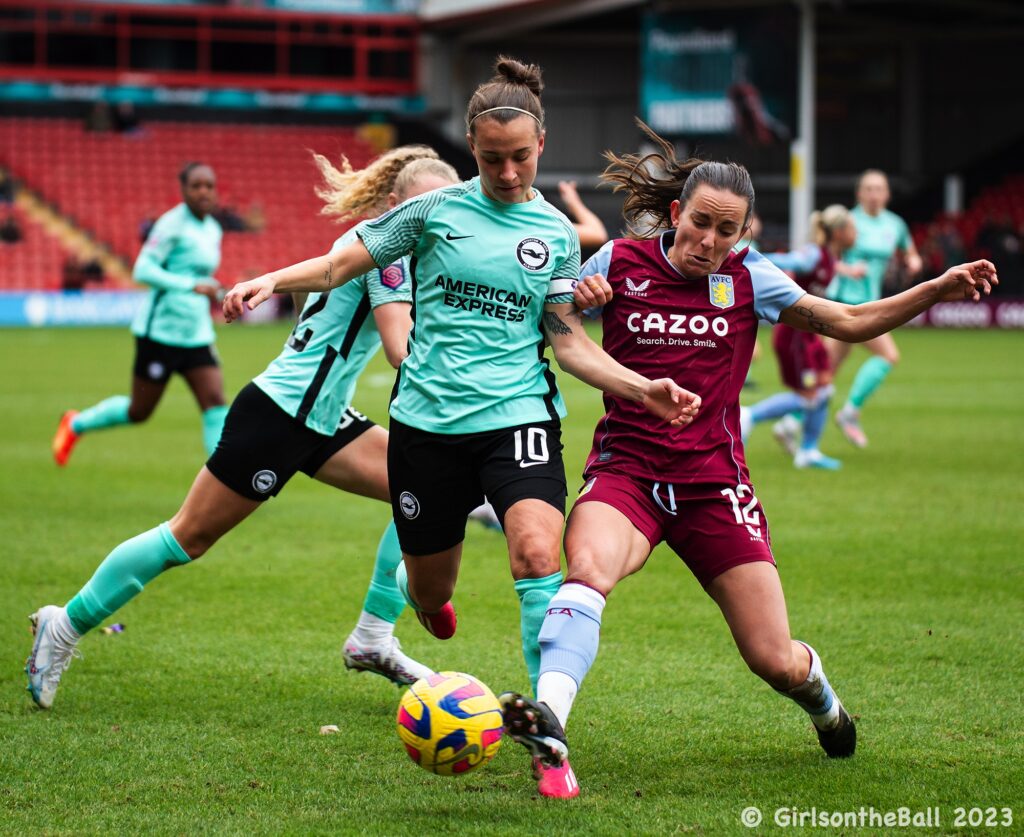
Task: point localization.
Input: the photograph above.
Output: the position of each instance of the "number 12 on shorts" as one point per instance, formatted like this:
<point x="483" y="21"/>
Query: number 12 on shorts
<point x="535" y="449"/>
<point x="745" y="515"/>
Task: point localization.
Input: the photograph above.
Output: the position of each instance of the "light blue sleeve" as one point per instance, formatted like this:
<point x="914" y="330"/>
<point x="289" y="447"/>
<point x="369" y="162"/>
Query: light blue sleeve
<point x="600" y="262"/>
<point x="803" y="260"/>
<point x="149" y="266"/>
<point x="774" y="291"/>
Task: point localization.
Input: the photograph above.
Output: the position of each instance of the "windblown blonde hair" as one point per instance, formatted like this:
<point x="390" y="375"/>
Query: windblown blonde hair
<point x="350" y="193"/>
<point x="826" y="222"/>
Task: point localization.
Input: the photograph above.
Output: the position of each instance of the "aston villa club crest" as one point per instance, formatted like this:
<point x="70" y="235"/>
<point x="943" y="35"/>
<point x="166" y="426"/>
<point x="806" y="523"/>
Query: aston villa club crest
<point x="720" y="290"/>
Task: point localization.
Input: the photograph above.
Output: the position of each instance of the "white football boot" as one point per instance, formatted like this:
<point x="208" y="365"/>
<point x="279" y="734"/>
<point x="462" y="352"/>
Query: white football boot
<point x="50" y="656"/>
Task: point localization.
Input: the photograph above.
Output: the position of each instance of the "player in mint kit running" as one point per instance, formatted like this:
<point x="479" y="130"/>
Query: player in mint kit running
<point x="173" y="329"/>
<point x="296" y="416"/>
<point x="477" y="410"/>
<point x="880" y="235"/>
<point x="683" y="300"/>
<point x="803" y="358"/>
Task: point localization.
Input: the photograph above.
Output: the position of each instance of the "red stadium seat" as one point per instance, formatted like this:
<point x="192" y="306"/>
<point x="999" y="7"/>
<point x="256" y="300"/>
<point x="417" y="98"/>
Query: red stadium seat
<point x="108" y="183"/>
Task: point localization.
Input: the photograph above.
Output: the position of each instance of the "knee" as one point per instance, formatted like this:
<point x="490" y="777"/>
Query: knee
<point x="194" y="540"/>
<point x="585" y="568"/>
<point x="536" y="556"/>
<point x="775" y="667"/>
<point x="137" y="414"/>
<point x="430" y="593"/>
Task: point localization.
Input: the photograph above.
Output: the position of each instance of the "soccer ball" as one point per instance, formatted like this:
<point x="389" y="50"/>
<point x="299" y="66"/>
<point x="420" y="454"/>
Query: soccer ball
<point x="450" y="723"/>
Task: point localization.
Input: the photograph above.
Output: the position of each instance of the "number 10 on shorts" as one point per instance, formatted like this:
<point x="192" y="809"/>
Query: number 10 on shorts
<point x="535" y="449"/>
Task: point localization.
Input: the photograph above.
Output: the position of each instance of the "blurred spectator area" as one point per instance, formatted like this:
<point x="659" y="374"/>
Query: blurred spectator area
<point x="110" y="184"/>
<point x="991" y="227"/>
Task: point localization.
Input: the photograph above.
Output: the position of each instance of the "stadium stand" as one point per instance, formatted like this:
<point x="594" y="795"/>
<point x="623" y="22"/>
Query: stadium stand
<point x="107" y="184"/>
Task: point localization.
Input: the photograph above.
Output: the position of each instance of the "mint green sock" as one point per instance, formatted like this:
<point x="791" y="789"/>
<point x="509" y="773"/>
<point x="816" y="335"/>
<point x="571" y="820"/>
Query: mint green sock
<point x="110" y="412"/>
<point x="402" y="583"/>
<point x="213" y="424"/>
<point x="534" y="596"/>
<point x="868" y="378"/>
<point x="123" y="574"/>
<point x="384" y="599"/>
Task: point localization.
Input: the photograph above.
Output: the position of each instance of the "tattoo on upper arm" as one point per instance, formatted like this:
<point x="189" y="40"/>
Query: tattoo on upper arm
<point x="329" y="271"/>
<point x="816" y="324"/>
<point x="555" y="325"/>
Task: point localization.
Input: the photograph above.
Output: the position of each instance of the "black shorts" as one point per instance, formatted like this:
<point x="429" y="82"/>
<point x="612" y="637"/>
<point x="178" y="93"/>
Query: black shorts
<point x="437" y="479"/>
<point x="156" y="362"/>
<point x="261" y="446"/>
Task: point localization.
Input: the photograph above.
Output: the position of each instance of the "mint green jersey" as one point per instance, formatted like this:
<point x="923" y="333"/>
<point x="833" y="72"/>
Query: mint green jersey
<point x="878" y="237"/>
<point x="482" y="272"/>
<point x="314" y="377"/>
<point x="180" y="252"/>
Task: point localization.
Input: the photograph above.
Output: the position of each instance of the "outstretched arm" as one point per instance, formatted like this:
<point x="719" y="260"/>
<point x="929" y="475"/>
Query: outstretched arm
<point x="580" y="356"/>
<point x="857" y="323"/>
<point x="319" y="274"/>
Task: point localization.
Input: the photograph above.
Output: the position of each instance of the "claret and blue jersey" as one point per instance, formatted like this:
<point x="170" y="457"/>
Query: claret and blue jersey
<point x="482" y="273"/>
<point x="699" y="332"/>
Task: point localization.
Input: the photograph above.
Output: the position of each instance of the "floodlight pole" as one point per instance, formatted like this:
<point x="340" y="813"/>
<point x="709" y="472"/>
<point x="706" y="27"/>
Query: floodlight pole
<point x="802" y="160"/>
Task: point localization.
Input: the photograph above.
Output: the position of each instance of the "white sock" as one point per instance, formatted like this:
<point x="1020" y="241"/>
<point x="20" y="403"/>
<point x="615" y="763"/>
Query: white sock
<point x="557" y="690"/>
<point x="64" y="630"/>
<point x="371" y="631"/>
<point x="813" y="688"/>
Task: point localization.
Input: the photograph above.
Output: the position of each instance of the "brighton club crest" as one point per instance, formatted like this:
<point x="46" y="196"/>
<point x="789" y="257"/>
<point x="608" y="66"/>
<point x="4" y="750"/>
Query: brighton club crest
<point x="720" y="290"/>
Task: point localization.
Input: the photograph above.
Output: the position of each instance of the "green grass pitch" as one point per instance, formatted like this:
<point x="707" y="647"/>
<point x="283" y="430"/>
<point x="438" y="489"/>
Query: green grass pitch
<point x="904" y="570"/>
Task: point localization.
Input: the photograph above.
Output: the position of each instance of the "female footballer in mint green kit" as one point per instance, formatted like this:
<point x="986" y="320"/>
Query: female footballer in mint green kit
<point x="880" y="234"/>
<point x="173" y="330"/>
<point x="476" y="409"/>
<point x="295" y="416"/>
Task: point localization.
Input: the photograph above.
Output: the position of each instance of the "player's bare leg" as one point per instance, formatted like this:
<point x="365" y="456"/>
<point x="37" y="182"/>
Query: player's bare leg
<point x="207" y="385"/>
<point x="210" y="510"/>
<point x="428" y="582"/>
<point x="751" y="599"/>
<point x="361" y="468"/>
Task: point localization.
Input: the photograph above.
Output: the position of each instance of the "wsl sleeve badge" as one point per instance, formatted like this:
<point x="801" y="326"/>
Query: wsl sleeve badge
<point x="450" y="723"/>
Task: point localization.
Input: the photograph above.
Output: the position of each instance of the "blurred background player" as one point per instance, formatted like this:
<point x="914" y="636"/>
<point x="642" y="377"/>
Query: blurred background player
<point x="803" y="359"/>
<point x="588" y="226"/>
<point x="881" y="234"/>
<point x="690" y="486"/>
<point x="295" y="416"/>
<point x="173" y="329"/>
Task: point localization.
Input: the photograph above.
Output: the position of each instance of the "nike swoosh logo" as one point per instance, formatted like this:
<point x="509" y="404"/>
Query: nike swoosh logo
<point x="530" y="464"/>
<point x="451" y="237"/>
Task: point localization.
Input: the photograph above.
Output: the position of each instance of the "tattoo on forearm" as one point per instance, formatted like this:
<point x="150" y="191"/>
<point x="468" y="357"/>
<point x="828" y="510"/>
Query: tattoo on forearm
<point x="555" y="325"/>
<point x="328" y="272"/>
<point x="816" y="324"/>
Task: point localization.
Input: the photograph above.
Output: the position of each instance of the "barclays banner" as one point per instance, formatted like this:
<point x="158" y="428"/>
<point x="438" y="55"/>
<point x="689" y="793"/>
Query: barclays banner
<point x="82" y="308"/>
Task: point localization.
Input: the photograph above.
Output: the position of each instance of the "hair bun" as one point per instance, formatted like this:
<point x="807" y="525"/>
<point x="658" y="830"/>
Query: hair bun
<point x="515" y="72"/>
